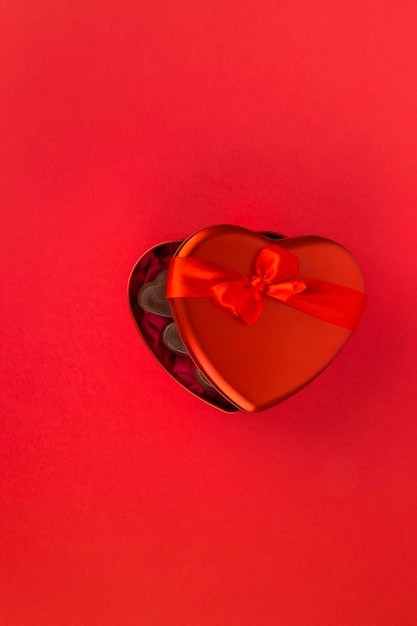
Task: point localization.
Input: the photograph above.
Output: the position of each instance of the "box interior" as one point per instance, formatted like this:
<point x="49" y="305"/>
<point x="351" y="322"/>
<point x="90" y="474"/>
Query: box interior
<point x="151" y="326"/>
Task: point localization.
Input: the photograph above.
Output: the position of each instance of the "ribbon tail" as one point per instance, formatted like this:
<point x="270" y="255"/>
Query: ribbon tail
<point x="190" y="277"/>
<point x="331" y="303"/>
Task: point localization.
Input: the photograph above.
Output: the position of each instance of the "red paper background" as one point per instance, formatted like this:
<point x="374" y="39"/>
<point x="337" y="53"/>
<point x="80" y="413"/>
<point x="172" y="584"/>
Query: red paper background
<point x="124" y="500"/>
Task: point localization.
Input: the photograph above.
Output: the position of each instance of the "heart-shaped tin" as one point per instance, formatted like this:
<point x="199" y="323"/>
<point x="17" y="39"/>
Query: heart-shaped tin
<point x="256" y="334"/>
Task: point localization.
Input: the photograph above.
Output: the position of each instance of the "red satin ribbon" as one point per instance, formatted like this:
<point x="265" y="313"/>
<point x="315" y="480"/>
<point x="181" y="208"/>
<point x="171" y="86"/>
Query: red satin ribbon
<point x="276" y="276"/>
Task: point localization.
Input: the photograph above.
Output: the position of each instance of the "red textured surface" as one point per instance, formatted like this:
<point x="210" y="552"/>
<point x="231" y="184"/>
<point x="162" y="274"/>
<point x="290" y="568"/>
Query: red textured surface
<point x="124" y="500"/>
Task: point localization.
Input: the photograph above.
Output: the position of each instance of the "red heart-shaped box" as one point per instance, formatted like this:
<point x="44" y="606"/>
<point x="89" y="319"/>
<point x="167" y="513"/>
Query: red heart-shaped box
<point x="250" y="366"/>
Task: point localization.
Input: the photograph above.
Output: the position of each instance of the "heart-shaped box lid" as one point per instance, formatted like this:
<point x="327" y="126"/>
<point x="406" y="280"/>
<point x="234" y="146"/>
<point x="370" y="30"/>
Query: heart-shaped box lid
<point x="258" y="363"/>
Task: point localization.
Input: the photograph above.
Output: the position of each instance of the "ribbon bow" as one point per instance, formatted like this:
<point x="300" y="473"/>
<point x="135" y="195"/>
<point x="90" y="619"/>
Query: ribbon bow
<point x="276" y="276"/>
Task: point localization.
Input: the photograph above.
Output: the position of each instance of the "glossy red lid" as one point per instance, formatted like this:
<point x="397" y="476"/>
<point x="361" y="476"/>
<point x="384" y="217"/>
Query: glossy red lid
<point x="258" y="365"/>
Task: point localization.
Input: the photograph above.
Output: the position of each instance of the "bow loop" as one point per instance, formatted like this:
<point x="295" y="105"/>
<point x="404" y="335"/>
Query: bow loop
<point x="274" y="264"/>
